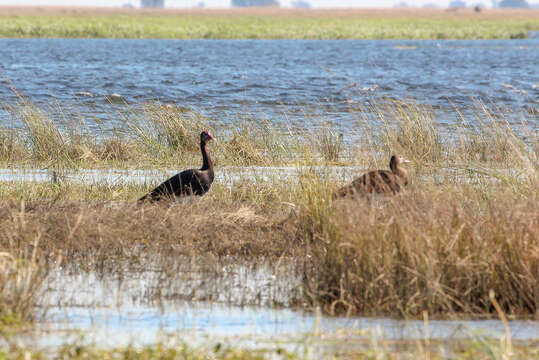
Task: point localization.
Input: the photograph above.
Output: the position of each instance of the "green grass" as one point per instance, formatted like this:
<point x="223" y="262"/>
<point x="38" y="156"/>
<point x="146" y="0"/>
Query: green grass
<point x="265" y="27"/>
<point x="336" y="347"/>
<point x="155" y="352"/>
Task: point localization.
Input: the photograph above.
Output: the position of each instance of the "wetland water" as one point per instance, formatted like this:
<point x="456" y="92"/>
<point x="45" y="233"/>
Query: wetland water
<point x="267" y="79"/>
<point x="227" y="80"/>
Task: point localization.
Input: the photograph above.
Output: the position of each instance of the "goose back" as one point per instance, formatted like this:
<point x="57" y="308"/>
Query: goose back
<point x="385" y="182"/>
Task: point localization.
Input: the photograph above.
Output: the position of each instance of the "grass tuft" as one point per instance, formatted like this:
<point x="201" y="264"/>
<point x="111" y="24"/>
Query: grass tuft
<point x="21" y="280"/>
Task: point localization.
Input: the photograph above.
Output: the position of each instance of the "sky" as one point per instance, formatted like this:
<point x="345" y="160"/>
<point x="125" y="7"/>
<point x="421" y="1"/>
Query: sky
<point x="226" y="3"/>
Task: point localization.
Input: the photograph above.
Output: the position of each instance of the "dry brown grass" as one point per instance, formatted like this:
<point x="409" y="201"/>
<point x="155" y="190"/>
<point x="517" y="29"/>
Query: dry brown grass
<point x="436" y="248"/>
<point x="340" y="344"/>
<point x="159" y="136"/>
<point x="109" y="232"/>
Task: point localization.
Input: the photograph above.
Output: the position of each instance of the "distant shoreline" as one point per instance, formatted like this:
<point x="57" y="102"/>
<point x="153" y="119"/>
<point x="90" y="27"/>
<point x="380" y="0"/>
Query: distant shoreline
<point x="265" y="23"/>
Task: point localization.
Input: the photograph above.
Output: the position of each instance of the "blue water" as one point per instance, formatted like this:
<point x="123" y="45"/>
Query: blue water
<point x="270" y="79"/>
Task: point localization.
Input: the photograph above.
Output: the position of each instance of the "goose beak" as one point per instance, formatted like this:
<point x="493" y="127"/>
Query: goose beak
<point x="406" y="161"/>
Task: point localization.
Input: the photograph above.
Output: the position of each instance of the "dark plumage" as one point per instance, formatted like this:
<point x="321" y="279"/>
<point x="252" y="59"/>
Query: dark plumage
<point x="188" y="182"/>
<point x="379" y="181"/>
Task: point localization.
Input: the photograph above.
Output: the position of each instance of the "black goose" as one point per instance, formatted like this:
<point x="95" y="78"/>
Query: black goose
<point x="188" y="182"/>
<point x="379" y="181"/>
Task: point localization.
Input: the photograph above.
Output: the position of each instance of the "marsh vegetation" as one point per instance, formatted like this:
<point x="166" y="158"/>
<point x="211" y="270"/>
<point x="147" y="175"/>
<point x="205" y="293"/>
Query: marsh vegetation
<point x="460" y="242"/>
<point x="467" y="224"/>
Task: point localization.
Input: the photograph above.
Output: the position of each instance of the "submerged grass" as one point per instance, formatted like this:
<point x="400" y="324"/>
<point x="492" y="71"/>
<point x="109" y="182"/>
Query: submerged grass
<point x="274" y="24"/>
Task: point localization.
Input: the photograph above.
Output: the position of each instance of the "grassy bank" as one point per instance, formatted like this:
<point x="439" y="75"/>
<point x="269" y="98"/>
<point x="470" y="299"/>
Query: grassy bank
<point x="271" y="24"/>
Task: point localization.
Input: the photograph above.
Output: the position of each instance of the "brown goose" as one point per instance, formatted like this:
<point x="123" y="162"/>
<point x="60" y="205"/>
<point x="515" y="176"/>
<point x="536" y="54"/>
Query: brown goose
<point x="188" y="182"/>
<point x="379" y="181"/>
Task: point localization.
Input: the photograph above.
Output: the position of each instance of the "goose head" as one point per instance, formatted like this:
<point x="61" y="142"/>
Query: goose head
<point x="206" y="136"/>
<point x="397" y="160"/>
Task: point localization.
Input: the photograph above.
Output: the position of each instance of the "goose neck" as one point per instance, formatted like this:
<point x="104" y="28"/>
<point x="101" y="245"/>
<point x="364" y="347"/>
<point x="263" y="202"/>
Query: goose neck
<point x="206" y="160"/>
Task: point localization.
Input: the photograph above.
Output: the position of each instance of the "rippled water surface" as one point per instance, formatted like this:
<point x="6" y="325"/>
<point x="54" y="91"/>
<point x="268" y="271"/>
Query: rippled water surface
<point x="266" y="78"/>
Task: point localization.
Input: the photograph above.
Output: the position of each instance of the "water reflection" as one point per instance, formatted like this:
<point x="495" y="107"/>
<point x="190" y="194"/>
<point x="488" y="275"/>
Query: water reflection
<point x="144" y="301"/>
<point x="199" y="300"/>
